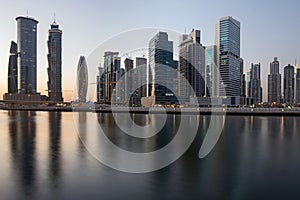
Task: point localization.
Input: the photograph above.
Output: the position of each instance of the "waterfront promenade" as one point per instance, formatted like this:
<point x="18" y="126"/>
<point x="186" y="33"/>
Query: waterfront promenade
<point x="158" y="110"/>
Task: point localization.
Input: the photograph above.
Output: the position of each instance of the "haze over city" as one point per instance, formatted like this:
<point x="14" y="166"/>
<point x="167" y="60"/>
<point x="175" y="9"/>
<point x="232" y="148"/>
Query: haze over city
<point x="265" y="33"/>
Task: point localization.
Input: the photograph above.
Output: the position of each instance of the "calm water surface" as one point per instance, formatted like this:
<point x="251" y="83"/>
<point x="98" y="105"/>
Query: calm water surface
<point x="42" y="157"/>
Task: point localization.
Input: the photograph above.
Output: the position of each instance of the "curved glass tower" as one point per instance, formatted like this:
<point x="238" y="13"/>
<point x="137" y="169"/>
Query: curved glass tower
<point x="82" y="80"/>
<point x="27" y="45"/>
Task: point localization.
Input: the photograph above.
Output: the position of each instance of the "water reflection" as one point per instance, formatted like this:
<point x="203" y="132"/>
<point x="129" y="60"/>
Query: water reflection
<point x="22" y="129"/>
<point x="54" y="147"/>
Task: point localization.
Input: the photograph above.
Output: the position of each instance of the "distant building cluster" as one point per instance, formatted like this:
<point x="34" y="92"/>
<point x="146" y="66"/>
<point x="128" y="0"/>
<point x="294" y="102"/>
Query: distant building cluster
<point x="202" y="75"/>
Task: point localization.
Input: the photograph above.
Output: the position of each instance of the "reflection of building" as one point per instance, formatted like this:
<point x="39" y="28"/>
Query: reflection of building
<point x="211" y="73"/>
<point x="161" y="68"/>
<point x="191" y="65"/>
<point x="82" y="80"/>
<point x="12" y="85"/>
<point x="288" y="85"/>
<point x="228" y="47"/>
<point x="255" y="84"/>
<point x="54" y="61"/>
<point x="274" y="83"/>
<point x="27" y="49"/>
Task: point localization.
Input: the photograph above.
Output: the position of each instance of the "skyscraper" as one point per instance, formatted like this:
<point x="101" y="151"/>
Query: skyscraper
<point x="191" y="65"/>
<point x="100" y="84"/>
<point x="228" y="46"/>
<point x="255" y="84"/>
<point x="55" y="63"/>
<point x="129" y="79"/>
<point x="12" y="85"/>
<point x="288" y="85"/>
<point x="243" y="79"/>
<point x="211" y="73"/>
<point x="112" y="66"/>
<point x="82" y="80"/>
<point x="161" y="72"/>
<point x="27" y="49"/>
<point x="141" y="68"/>
<point x="297" y="99"/>
<point x="274" y="83"/>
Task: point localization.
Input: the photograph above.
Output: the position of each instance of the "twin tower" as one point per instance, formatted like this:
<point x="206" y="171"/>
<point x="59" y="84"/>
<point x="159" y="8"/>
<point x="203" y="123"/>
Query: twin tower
<point x="22" y="67"/>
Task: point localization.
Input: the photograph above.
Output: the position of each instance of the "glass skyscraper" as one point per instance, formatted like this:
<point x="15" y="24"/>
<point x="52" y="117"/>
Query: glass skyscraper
<point x="55" y="62"/>
<point x="255" y="90"/>
<point x="288" y="84"/>
<point x="211" y="73"/>
<point x="228" y="46"/>
<point x="27" y="50"/>
<point x="191" y="65"/>
<point x="161" y="74"/>
<point x="12" y="85"/>
<point x="82" y="80"/>
<point x="274" y="83"/>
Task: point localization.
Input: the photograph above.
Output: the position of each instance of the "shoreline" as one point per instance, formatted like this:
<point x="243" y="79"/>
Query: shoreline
<point x="160" y="110"/>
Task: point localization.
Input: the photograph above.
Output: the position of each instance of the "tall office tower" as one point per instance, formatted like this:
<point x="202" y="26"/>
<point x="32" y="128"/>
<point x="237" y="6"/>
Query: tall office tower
<point x="191" y="65"/>
<point x="243" y="79"/>
<point x="100" y="84"/>
<point x="12" y="85"/>
<point x="274" y="83"/>
<point x="288" y="84"/>
<point x="228" y="46"/>
<point x="297" y="99"/>
<point x="112" y="66"/>
<point x="129" y="79"/>
<point x="255" y="84"/>
<point x="141" y="67"/>
<point x="211" y="72"/>
<point x="161" y="68"/>
<point x="27" y="63"/>
<point x="55" y="63"/>
<point x="82" y="80"/>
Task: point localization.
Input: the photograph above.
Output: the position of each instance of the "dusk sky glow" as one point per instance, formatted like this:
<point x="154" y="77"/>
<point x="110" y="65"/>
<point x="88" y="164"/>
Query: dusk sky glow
<point x="269" y="28"/>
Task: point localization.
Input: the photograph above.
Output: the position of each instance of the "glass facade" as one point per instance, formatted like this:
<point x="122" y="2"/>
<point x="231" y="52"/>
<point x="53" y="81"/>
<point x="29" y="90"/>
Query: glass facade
<point x="82" y="80"/>
<point x="55" y="63"/>
<point x="228" y="43"/>
<point x="27" y="49"/>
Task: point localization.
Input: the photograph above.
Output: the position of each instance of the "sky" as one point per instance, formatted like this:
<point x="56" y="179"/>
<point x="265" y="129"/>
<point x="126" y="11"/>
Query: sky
<point x="269" y="28"/>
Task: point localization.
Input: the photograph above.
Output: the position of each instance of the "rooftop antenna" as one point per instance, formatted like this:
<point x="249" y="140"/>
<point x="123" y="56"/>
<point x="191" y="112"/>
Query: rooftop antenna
<point x="54" y="18"/>
<point x="27" y="12"/>
<point x="184" y="30"/>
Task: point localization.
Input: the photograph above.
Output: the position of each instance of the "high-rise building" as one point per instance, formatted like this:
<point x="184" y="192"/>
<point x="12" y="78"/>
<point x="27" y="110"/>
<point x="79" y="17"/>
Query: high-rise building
<point x="297" y="99"/>
<point x="55" y="63"/>
<point x="211" y="73"/>
<point x="82" y="80"/>
<point x="274" y="83"/>
<point x="288" y="84"/>
<point x="27" y="50"/>
<point x="141" y="68"/>
<point x="228" y="46"/>
<point x="161" y="71"/>
<point x="191" y="65"/>
<point x="243" y="79"/>
<point x="12" y="85"/>
<point x="112" y="73"/>
<point x="100" y="84"/>
<point x="255" y="84"/>
<point x="129" y="79"/>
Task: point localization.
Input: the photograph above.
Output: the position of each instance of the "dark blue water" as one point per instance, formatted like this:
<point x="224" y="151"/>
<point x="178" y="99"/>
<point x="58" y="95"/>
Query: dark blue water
<point x="42" y="157"/>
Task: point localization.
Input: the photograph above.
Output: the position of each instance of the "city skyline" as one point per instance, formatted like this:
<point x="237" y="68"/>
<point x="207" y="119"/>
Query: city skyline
<point x="258" y="42"/>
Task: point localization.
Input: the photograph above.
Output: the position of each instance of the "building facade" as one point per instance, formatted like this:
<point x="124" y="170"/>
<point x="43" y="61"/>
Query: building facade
<point x="27" y="51"/>
<point x="211" y="71"/>
<point x="100" y="84"/>
<point x="82" y="80"/>
<point x="55" y="63"/>
<point x="161" y="71"/>
<point x="297" y="98"/>
<point x="12" y="81"/>
<point x="191" y="65"/>
<point x="288" y="84"/>
<point x="228" y="46"/>
<point x="274" y="83"/>
<point x="255" y="84"/>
